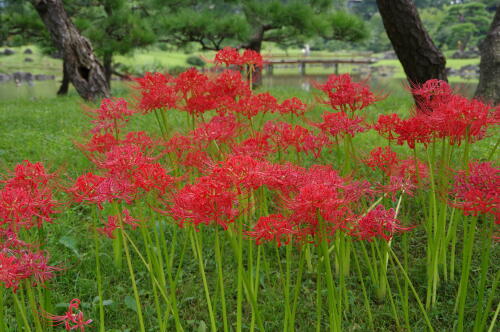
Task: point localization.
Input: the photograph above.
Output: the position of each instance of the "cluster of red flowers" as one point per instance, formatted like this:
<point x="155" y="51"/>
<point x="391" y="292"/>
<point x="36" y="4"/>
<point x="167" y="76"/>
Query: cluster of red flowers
<point x="441" y="115"/>
<point x="476" y="190"/>
<point x="73" y="318"/>
<point x="230" y="56"/>
<point x="26" y="201"/>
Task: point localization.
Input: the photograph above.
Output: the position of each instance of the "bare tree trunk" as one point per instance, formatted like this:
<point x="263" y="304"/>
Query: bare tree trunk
<point x="63" y="89"/>
<point x="255" y="44"/>
<point x="489" y="74"/>
<point x="107" y="62"/>
<point x="83" y="69"/>
<point x="421" y="59"/>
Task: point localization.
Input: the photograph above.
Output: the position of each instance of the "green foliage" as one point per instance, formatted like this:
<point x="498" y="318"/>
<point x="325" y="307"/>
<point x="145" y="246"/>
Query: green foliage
<point x="195" y="61"/>
<point x="249" y="23"/>
<point x="463" y="25"/>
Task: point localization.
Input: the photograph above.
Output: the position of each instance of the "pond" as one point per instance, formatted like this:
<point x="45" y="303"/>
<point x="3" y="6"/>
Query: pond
<point x="45" y="89"/>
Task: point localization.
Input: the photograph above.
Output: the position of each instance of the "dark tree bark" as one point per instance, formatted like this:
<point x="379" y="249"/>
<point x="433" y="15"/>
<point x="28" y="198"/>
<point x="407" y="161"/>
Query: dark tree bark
<point x="421" y="59"/>
<point x="488" y="88"/>
<point x="83" y="69"/>
<point x="107" y="62"/>
<point x="63" y="89"/>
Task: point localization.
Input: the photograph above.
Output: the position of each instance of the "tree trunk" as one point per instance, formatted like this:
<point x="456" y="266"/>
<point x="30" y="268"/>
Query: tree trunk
<point x="107" y="62"/>
<point x="83" y="69"/>
<point x="488" y="88"/>
<point x="63" y="89"/>
<point x="421" y="59"/>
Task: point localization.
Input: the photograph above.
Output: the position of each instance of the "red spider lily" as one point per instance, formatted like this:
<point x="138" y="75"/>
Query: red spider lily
<point x="110" y="116"/>
<point x="271" y="228"/>
<point x="208" y="201"/>
<point x="26" y="199"/>
<point x="113" y="223"/>
<point x="228" y="56"/>
<point x="73" y="318"/>
<point x="345" y="95"/>
<point x="12" y="271"/>
<point x="251" y="58"/>
<point x="95" y="189"/>
<point x="140" y="139"/>
<point x="230" y="84"/>
<point x="283" y="135"/>
<point x="415" y="173"/>
<point x="222" y="129"/>
<point x="461" y="119"/>
<point x="100" y="143"/>
<point x="315" y="201"/>
<point x="476" y="191"/>
<point x="431" y="93"/>
<point x="384" y="159"/>
<point x="255" y="104"/>
<point x="257" y="147"/>
<point x="414" y="130"/>
<point x="339" y="124"/>
<point x="194" y="89"/>
<point x="157" y="92"/>
<point x="153" y="177"/>
<point x="378" y="223"/>
<point x="292" y="106"/>
<point x="397" y="185"/>
<point x="386" y="125"/>
<point x="20" y="264"/>
<point x="241" y="171"/>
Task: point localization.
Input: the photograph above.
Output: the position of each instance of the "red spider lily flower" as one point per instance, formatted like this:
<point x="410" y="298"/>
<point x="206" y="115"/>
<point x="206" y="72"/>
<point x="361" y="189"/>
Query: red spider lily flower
<point x="431" y="93"/>
<point x="397" y="185"/>
<point x="194" y="88"/>
<point x="157" y="92"/>
<point x="386" y="125"/>
<point x="140" y="139"/>
<point x="384" y="159"/>
<point x="153" y="177"/>
<point x="315" y="201"/>
<point x="228" y="56"/>
<point x="293" y="106"/>
<point x="231" y="56"/>
<point x="476" y="191"/>
<point x="255" y="104"/>
<point x="283" y="135"/>
<point x="257" y="147"/>
<point x="271" y="228"/>
<point x="95" y="189"/>
<point x="222" y="129"/>
<point x="230" y="84"/>
<point x="26" y="200"/>
<point x="110" y="116"/>
<point x="113" y="223"/>
<point x="36" y="266"/>
<point x="207" y="201"/>
<point x="178" y="144"/>
<point x="315" y="144"/>
<point x="415" y="173"/>
<point x="73" y="318"/>
<point x="109" y="227"/>
<point x="414" y="130"/>
<point x="100" y="143"/>
<point x="378" y="223"/>
<point x="461" y="119"/>
<point x="339" y="124"/>
<point x="251" y="58"/>
<point x="123" y="159"/>
<point x="345" y="95"/>
<point x="12" y="271"/>
<point x="240" y="171"/>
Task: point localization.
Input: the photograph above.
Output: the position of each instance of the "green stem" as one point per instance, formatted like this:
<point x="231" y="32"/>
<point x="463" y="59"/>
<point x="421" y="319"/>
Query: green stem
<point x="3" y="327"/>
<point x="99" y="284"/>
<point x="197" y="251"/>
<point x="297" y="288"/>
<point x="22" y="312"/>
<point x="494" y="320"/>
<point x="485" y="264"/>
<point x="218" y="259"/>
<point x="420" y="304"/>
<point x="469" y="232"/>
<point x="365" y="295"/>
<point x="32" y="303"/>
<point x="130" y="270"/>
